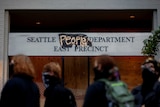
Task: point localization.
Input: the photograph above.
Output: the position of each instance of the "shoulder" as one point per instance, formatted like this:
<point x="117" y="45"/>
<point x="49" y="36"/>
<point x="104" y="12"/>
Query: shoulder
<point x="19" y="78"/>
<point x="97" y="84"/>
<point x="20" y="83"/>
<point x="14" y="81"/>
<point x="62" y="89"/>
<point x="157" y="84"/>
<point x="96" y="87"/>
<point x="156" y="87"/>
<point x="55" y="90"/>
<point x="136" y="90"/>
<point x="13" y="85"/>
<point x="95" y="91"/>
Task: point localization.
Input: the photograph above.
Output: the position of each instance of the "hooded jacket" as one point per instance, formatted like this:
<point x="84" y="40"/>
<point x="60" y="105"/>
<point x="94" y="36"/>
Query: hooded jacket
<point x="20" y="91"/>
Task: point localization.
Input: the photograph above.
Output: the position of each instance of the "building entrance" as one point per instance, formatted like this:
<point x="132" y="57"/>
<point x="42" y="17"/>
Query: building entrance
<point x="77" y="70"/>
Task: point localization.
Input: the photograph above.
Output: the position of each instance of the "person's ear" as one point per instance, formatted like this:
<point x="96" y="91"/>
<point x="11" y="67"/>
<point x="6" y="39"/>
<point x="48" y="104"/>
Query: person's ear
<point x="95" y="63"/>
<point x="99" y="67"/>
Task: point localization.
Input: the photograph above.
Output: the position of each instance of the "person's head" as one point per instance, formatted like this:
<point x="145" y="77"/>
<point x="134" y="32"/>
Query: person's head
<point x="52" y="73"/>
<point x="21" y="64"/>
<point x="152" y="65"/>
<point x="150" y="70"/>
<point x="53" y="69"/>
<point x="104" y="67"/>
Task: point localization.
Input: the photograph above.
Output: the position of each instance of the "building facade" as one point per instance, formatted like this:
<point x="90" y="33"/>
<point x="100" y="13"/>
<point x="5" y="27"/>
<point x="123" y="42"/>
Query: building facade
<point x="9" y="7"/>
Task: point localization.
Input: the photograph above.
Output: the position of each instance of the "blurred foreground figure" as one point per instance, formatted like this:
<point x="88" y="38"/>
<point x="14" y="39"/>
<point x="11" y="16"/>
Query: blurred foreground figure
<point x="20" y="90"/>
<point x="107" y="90"/>
<point x="148" y="93"/>
<point x="56" y="94"/>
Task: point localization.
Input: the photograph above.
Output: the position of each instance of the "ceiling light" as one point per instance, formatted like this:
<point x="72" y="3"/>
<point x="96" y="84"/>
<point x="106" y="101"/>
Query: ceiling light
<point x="132" y="17"/>
<point x="38" y="23"/>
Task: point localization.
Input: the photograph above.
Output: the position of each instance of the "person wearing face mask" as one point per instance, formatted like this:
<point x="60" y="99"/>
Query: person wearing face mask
<point x="104" y="67"/>
<point x="145" y="93"/>
<point x="56" y="95"/>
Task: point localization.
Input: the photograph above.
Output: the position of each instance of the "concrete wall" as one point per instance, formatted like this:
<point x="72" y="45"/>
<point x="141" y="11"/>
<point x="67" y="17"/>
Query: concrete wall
<point x="1" y="46"/>
<point x="6" y="5"/>
<point x="79" y="4"/>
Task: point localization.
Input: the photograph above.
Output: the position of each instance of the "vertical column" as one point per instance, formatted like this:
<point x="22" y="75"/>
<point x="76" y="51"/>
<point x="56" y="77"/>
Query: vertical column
<point x="154" y="24"/>
<point x="158" y="17"/>
<point x="157" y="24"/>
<point x="5" y="49"/>
<point x="4" y="29"/>
<point x="1" y="46"/>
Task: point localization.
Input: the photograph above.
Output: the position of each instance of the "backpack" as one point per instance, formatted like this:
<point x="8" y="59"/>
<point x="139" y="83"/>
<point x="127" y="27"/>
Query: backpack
<point x="118" y="94"/>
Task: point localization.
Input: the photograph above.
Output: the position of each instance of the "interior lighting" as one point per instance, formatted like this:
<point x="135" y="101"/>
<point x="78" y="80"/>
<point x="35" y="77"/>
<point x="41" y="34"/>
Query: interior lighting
<point x="38" y="23"/>
<point x="132" y="17"/>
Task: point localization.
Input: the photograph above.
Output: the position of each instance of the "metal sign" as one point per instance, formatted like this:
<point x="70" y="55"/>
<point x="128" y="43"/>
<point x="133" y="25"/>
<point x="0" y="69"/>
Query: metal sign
<point x="76" y="44"/>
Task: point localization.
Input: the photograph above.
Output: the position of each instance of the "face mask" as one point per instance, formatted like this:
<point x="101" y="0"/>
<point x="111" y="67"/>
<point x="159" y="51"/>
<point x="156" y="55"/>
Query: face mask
<point x="46" y="78"/>
<point x="98" y="74"/>
<point x="148" y="76"/>
<point x="49" y="80"/>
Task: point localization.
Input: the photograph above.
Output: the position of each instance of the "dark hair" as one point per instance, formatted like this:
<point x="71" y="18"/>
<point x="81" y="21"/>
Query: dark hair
<point x="106" y="62"/>
<point x="154" y="62"/>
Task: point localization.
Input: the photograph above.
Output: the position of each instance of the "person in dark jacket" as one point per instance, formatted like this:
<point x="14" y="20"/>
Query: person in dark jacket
<point x="55" y="93"/>
<point x="148" y="93"/>
<point x="20" y="90"/>
<point x="104" y="67"/>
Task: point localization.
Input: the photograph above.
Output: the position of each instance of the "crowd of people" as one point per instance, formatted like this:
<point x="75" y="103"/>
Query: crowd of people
<point x="22" y="91"/>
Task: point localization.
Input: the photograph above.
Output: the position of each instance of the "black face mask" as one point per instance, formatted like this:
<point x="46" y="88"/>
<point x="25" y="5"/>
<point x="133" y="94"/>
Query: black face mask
<point x="149" y="77"/>
<point x="49" y="80"/>
<point x="45" y="79"/>
<point x="99" y="74"/>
